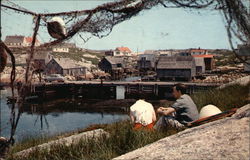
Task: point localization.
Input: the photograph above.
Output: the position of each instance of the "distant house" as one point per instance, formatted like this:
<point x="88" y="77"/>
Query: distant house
<point x="19" y="41"/>
<point x="200" y="65"/>
<point x="198" y="51"/>
<point x="183" y="54"/>
<point x="63" y="47"/>
<point x="146" y="62"/>
<point x="109" y="53"/>
<point x="208" y="60"/>
<point x="175" y="68"/>
<point x="170" y="52"/>
<point x="109" y="63"/>
<point x="41" y="59"/>
<point x="64" y="66"/>
<point x="122" y="51"/>
<point x="112" y="65"/>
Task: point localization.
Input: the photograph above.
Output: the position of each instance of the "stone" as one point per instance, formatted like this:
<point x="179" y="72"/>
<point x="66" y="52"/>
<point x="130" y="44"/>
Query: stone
<point x="66" y="141"/>
<point x="4" y="147"/>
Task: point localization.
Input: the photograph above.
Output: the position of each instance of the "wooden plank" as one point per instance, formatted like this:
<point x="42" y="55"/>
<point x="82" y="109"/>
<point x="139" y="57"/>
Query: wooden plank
<point x="213" y="118"/>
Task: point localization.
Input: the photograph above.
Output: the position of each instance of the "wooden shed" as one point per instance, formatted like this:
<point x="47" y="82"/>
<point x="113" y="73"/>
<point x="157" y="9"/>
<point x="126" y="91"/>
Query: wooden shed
<point x="146" y="62"/>
<point x="175" y="68"/>
<point x="64" y="66"/>
<point x="113" y="65"/>
<point x="41" y="59"/>
<point x="108" y="63"/>
<point x="200" y="65"/>
<point x="208" y="60"/>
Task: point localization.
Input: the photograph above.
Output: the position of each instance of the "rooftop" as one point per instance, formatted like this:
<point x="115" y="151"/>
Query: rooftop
<point x="67" y="63"/>
<point x="123" y="49"/>
<point x="175" y="62"/>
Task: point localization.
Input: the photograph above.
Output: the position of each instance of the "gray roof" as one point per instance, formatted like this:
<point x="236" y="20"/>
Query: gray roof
<point x="115" y="60"/>
<point x="14" y="39"/>
<point x="175" y="62"/>
<point x="67" y="63"/>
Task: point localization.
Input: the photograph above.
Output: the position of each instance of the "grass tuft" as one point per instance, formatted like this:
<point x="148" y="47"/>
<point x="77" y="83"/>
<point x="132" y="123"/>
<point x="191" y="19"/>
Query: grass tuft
<point x="122" y="139"/>
<point x="233" y="96"/>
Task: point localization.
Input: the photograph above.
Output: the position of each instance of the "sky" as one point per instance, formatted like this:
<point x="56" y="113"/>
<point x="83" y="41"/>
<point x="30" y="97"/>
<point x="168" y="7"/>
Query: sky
<point x="157" y="28"/>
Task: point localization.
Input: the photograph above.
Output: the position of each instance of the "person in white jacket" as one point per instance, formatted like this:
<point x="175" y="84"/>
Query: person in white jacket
<point x="142" y="114"/>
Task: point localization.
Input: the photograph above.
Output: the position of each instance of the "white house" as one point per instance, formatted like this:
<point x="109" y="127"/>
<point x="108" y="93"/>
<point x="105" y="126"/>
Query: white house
<point x="63" y="47"/>
<point x="122" y="51"/>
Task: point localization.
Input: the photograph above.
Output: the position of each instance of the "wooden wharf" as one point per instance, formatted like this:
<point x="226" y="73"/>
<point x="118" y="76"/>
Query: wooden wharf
<point x="112" y="89"/>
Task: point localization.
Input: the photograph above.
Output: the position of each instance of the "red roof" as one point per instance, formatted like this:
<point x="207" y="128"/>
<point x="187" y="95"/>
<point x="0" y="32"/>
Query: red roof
<point x="29" y="40"/>
<point x="204" y="55"/>
<point x="123" y="49"/>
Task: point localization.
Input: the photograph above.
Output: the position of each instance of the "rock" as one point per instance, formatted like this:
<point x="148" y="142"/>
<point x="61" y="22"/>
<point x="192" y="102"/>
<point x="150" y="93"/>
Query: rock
<point x="242" y="112"/>
<point x="67" y="141"/>
<point x="227" y="138"/>
<point x="4" y="147"/>
<point x="241" y="81"/>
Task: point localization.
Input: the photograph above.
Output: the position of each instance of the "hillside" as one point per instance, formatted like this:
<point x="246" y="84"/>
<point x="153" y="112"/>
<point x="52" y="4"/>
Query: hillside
<point x="87" y="58"/>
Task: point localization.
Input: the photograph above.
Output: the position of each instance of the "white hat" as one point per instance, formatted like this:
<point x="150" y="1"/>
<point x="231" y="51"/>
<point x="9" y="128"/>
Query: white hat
<point x="209" y="110"/>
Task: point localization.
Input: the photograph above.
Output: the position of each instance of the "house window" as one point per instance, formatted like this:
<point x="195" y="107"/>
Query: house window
<point x="119" y="65"/>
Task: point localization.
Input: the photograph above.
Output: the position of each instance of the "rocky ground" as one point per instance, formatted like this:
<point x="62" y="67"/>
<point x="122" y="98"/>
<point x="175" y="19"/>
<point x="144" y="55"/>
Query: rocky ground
<point x="222" y="78"/>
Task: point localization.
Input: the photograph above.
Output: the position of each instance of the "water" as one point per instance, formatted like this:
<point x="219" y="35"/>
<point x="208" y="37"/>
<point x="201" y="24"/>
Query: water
<point x="52" y="118"/>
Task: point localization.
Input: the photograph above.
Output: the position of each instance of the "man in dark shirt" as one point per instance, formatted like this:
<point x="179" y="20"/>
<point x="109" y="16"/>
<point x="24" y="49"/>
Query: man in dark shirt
<point x="182" y="112"/>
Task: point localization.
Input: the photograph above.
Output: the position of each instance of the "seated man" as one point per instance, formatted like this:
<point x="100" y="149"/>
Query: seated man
<point x="182" y="112"/>
<point x="142" y="114"/>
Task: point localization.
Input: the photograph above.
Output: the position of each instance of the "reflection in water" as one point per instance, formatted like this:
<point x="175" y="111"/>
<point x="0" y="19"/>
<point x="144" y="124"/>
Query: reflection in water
<point x="41" y="121"/>
<point x="55" y="117"/>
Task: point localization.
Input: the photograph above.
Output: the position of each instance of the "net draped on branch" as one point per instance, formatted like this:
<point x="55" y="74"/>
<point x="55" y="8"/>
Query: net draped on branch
<point x="101" y="20"/>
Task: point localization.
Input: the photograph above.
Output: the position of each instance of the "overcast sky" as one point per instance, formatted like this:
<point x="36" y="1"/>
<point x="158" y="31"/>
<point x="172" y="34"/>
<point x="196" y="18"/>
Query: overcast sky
<point x="158" y="28"/>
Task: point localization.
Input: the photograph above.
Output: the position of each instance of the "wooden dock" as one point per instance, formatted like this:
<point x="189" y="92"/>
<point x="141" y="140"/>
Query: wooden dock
<point x="112" y="90"/>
